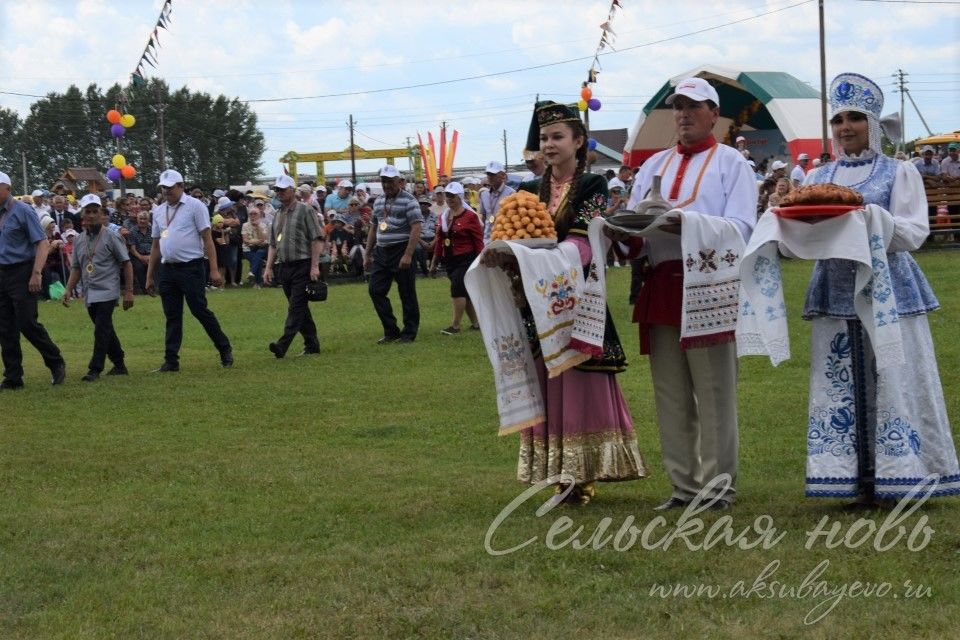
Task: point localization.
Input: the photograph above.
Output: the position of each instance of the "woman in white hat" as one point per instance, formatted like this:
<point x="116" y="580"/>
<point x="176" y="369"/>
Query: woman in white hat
<point x="459" y="240"/>
<point x="873" y="433"/>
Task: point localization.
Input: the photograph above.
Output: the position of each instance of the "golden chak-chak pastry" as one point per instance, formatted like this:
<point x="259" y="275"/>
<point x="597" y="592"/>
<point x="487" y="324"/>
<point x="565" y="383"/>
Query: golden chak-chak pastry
<point x="822" y="194"/>
<point x="521" y="215"/>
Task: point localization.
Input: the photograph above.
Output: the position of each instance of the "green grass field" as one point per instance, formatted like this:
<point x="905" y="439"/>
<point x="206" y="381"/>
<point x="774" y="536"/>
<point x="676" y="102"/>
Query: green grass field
<point x="348" y="495"/>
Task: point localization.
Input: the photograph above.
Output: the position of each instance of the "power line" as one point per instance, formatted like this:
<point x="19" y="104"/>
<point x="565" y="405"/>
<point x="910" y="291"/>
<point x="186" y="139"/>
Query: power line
<point x="531" y="68"/>
<point x="956" y="4"/>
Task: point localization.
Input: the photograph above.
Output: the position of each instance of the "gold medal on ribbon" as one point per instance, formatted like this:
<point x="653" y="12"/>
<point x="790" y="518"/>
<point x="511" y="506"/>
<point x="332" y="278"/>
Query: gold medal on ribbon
<point x="89" y="267"/>
<point x="383" y="226"/>
<point x="446" y="242"/>
<point x="279" y="237"/>
<point x="163" y="234"/>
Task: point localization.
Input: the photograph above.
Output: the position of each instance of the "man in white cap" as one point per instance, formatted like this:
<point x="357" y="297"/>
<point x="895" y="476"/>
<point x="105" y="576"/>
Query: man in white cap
<point x="799" y="171"/>
<point x="39" y="204"/>
<point x="339" y="202"/>
<point x="394" y="234"/>
<point x="23" y="252"/>
<point x="926" y="164"/>
<point x="296" y="243"/>
<point x="778" y="169"/>
<point x="181" y="238"/>
<point x="490" y="199"/>
<point x="99" y="257"/>
<point x="695" y="384"/>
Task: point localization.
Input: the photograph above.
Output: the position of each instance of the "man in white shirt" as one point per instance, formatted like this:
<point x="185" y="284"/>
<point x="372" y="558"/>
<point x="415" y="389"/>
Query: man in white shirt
<point x="799" y="171"/>
<point x="181" y="237"/>
<point x="39" y="205"/>
<point x="950" y="166"/>
<point x="695" y="386"/>
<point x="490" y="198"/>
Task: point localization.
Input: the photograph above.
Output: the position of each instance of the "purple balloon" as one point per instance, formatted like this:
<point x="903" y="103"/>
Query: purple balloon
<point x="593" y="104"/>
<point x="114" y="175"/>
<point x="117" y="130"/>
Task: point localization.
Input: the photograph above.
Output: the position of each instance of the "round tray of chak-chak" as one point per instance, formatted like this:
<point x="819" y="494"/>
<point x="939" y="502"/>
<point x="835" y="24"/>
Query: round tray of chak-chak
<point x="819" y="201"/>
<point x="521" y="217"/>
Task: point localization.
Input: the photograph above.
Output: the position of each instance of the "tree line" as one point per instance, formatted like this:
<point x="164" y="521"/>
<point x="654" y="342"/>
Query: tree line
<point x="211" y="141"/>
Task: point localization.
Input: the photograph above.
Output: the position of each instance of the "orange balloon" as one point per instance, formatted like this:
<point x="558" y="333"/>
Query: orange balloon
<point x="128" y="171"/>
<point x="585" y="93"/>
<point x="113" y="116"/>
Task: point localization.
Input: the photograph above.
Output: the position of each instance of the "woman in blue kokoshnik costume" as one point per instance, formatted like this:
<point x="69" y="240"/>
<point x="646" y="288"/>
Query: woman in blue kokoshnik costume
<point x="874" y="434"/>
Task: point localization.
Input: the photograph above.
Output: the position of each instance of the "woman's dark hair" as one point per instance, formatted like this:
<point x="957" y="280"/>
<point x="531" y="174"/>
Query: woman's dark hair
<point x="564" y="219"/>
<point x="235" y="195"/>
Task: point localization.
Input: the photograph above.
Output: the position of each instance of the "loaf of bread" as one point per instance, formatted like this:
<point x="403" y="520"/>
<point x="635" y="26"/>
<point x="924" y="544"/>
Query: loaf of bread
<point x="821" y="194"/>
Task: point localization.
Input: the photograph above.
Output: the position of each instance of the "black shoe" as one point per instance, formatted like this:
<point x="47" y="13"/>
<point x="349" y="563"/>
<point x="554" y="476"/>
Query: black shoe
<point x="672" y="503"/>
<point x="168" y="367"/>
<point x="407" y="339"/>
<point x="11" y="385"/>
<point x="118" y="370"/>
<point x="226" y="358"/>
<point x="58" y="374"/>
<point x="91" y="376"/>
<point x="388" y="339"/>
<point x="275" y="350"/>
<point x="310" y="351"/>
<point x="450" y="331"/>
<point x="720" y="505"/>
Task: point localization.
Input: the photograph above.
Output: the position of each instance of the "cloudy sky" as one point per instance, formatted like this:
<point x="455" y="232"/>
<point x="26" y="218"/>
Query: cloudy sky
<point x="282" y="49"/>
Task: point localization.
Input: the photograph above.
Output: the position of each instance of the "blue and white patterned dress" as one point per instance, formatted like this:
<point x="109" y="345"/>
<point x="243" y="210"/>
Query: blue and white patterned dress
<point x="887" y="428"/>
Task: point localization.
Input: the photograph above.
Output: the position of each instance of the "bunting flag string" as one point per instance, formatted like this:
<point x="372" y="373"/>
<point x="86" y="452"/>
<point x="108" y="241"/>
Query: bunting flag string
<point x="149" y="55"/>
<point x="607" y="37"/>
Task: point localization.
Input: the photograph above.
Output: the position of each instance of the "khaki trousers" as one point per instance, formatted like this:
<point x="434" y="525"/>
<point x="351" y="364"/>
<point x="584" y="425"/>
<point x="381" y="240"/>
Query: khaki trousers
<point x="696" y="398"/>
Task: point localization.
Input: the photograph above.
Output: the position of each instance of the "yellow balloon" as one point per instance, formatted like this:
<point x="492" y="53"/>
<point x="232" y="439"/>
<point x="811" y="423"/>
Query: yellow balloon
<point x="582" y="105"/>
<point x="128" y="120"/>
<point x="119" y="161"/>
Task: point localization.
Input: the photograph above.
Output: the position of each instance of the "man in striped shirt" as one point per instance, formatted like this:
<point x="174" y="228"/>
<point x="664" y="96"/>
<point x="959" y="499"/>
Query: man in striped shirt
<point x="394" y="234"/>
<point x="296" y="242"/>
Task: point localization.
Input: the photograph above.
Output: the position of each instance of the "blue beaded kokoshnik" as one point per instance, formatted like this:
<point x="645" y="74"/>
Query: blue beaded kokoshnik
<point x="831" y="292"/>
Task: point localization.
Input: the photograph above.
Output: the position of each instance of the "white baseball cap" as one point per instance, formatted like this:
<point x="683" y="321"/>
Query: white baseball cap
<point x="803" y="156"/>
<point x="37" y="193"/>
<point x="361" y="186"/>
<point x="926" y="149"/>
<point x="389" y="171"/>
<point x="346" y="184"/>
<point x="89" y="199"/>
<point x="455" y="188"/>
<point x="778" y="164"/>
<point x="5" y="179"/>
<point x="616" y="183"/>
<point x="218" y="193"/>
<point x="225" y="203"/>
<point x="696" y="89"/>
<point x="45" y="221"/>
<point x="739" y="138"/>
<point x="494" y="167"/>
<point x="169" y="178"/>
<point x="284" y="182"/>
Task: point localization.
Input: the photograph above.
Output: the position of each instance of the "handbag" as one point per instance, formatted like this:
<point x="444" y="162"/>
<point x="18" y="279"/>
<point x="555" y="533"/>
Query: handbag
<point x="316" y="290"/>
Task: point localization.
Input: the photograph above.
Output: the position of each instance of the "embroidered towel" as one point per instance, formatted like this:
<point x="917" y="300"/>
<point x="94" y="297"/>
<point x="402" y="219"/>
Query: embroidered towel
<point x="519" y="401"/>
<point x="861" y="236"/>
<point x="553" y="284"/>
<point x="712" y="248"/>
<point x="591" y="316"/>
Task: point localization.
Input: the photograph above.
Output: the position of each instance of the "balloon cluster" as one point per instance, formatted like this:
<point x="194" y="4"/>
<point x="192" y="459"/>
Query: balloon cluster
<point x="587" y="101"/>
<point x="119" y="123"/>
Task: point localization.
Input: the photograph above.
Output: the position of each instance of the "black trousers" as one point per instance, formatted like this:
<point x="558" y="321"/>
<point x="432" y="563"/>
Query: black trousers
<point x="139" y="274"/>
<point x="294" y="277"/>
<point x="186" y="281"/>
<point x="18" y="314"/>
<point x="105" y="340"/>
<point x="384" y="269"/>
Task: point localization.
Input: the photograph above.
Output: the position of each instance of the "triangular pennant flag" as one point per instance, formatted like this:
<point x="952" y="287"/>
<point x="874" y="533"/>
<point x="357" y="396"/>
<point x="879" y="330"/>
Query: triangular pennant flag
<point x="605" y="26"/>
<point x="610" y="30"/>
<point x="161" y="23"/>
<point x="616" y="3"/>
<point x="592" y="76"/>
<point x="603" y="43"/>
<point x="147" y="60"/>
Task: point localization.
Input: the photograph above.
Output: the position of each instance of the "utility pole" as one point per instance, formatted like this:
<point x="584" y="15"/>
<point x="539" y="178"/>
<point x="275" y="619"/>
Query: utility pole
<point x="823" y="86"/>
<point x="353" y="155"/>
<point x="917" y="109"/>
<point x="505" y="162"/>
<point x="903" y="115"/>
<point x="160" y="109"/>
<point x="409" y="157"/>
<point x="23" y="156"/>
